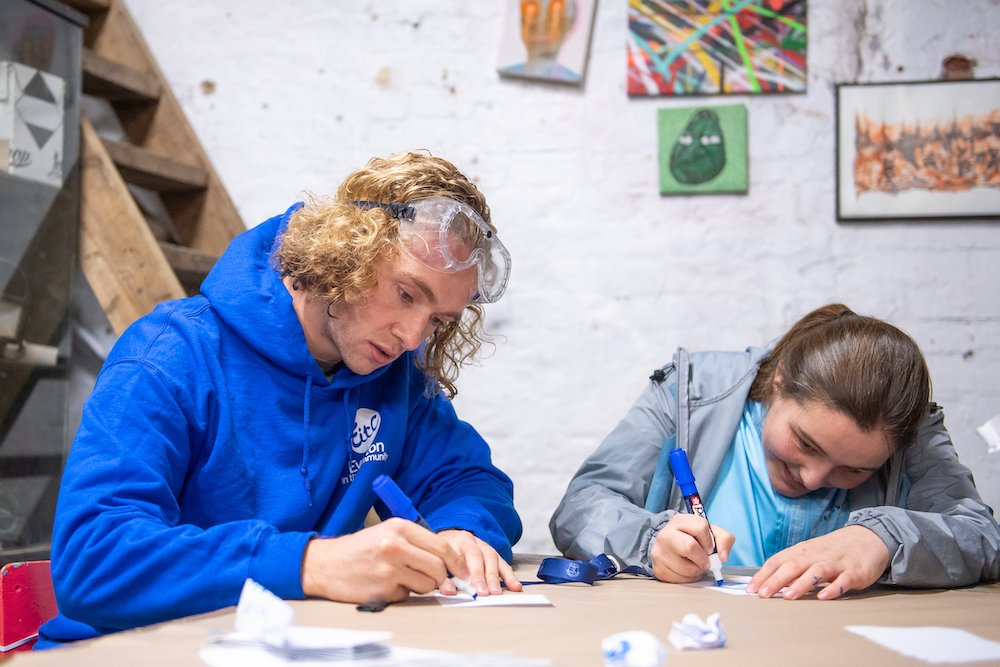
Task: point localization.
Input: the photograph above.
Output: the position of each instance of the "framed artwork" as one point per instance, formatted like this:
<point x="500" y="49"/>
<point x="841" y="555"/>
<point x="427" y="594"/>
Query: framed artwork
<point x="928" y="149"/>
<point x="703" y="150"/>
<point x="711" y="47"/>
<point x="547" y="39"/>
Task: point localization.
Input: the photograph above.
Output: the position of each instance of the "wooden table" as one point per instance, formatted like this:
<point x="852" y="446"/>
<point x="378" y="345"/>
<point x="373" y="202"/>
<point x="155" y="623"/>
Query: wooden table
<point x="761" y="632"/>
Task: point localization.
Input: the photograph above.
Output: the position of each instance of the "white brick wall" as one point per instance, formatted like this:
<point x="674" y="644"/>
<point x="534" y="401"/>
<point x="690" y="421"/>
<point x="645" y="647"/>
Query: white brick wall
<point x="609" y="277"/>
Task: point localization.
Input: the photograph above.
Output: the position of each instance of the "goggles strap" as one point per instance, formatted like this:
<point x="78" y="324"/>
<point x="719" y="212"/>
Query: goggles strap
<point x="397" y="210"/>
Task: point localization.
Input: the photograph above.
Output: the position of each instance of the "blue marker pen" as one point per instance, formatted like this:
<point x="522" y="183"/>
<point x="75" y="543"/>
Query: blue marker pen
<point x="400" y="505"/>
<point x="685" y="479"/>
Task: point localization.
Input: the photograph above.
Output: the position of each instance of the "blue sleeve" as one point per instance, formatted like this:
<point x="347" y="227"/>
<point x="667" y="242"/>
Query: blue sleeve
<point x="448" y="473"/>
<point x="121" y="556"/>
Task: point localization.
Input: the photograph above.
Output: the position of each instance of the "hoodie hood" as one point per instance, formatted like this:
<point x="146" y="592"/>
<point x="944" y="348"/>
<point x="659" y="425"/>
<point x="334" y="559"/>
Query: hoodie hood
<point x="257" y="306"/>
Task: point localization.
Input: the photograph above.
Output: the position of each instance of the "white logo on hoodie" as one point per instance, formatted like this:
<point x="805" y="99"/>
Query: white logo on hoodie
<point x="366" y="423"/>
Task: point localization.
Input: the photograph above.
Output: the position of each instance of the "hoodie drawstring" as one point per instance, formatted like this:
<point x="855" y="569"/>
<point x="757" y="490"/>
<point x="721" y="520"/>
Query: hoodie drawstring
<point x="348" y="422"/>
<point x="305" y="440"/>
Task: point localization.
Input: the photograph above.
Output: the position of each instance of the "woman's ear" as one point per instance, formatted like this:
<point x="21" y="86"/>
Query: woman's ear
<point x="777" y="374"/>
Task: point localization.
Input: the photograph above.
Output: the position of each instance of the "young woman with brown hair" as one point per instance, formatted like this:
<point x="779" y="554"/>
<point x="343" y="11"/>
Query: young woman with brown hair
<point x="821" y="459"/>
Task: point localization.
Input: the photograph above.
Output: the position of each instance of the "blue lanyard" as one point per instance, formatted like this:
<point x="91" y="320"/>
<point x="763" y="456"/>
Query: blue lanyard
<point x="598" y="568"/>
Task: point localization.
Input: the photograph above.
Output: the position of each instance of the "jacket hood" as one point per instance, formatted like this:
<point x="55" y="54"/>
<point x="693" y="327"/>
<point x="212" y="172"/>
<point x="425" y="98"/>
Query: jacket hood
<point x="714" y="375"/>
<point x="256" y="305"/>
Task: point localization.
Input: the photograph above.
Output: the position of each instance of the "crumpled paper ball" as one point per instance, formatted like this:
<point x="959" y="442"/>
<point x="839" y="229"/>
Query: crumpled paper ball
<point x="692" y="633"/>
<point x="635" y="648"/>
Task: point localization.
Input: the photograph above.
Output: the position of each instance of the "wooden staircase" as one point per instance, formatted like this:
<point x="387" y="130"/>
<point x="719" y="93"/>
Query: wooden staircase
<point x="133" y="255"/>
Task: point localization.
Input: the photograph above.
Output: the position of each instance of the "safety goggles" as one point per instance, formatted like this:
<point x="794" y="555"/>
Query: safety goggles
<point x="449" y="236"/>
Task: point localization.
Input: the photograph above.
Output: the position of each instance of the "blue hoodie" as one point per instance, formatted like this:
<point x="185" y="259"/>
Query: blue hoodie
<point x="213" y="448"/>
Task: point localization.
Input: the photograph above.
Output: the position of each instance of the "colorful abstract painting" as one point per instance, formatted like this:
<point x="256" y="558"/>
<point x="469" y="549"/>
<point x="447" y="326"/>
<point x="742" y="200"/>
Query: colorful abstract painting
<point x="710" y="47"/>
<point x="918" y="150"/>
<point x="703" y="150"/>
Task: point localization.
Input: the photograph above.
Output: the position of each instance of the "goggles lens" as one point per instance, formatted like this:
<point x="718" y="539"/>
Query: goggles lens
<point x="449" y="236"/>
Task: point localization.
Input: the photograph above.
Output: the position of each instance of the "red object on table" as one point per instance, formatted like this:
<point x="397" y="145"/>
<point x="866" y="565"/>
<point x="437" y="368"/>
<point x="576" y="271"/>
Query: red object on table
<point x="26" y="601"/>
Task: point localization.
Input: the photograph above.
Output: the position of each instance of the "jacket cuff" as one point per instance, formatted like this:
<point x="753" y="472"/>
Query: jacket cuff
<point x="657" y="523"/>
<point x="277" y="563"/>
<point x="872" y="522"/>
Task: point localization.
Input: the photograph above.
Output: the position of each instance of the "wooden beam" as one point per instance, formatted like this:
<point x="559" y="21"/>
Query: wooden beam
<point x="116" y="82"/>
<point x="30" y="466"/>
<point x="154" y="172"/>
<point x="122" y="261"/>
<point x="88" y="6"/>
<point x="95" y="10"/>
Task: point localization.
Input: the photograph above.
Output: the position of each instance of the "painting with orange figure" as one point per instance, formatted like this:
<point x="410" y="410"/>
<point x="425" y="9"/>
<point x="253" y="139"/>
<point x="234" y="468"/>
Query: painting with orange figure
<point x="547" y="39"/>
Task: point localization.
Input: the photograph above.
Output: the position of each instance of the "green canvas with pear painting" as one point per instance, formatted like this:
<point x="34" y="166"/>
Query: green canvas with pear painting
<point x="703" y="150"/>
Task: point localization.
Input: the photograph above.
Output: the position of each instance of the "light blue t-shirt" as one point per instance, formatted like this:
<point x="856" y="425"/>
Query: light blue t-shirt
<point x="764" y="521"/>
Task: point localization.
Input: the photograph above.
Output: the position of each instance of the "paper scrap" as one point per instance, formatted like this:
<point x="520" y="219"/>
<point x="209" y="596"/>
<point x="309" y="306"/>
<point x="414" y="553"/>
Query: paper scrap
<point x="694" y="633"/>
<point x="262" y="615"/>
<point x="635" y="648"/>
<point x="931" y="643"/>
<point x="505" y="600"/>
<point x="990" y="432"/>
<point x="264" y="623"/>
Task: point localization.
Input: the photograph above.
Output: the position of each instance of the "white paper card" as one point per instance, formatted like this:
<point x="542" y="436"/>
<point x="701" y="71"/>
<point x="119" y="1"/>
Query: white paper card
<point x="322" y="638"/>
<point x="733" y="585"/>
<point x="931" y="644"/>
<point x="505" y="600"/>
<point x="214" y="655"/>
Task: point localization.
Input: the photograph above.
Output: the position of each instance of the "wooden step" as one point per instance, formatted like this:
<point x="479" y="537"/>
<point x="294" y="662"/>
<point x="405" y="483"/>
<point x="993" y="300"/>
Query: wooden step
<point x="161" y="225"/>
<point x="140" y="167"/>
<point x="190" y="266"/>
<point x="116" y="82"/>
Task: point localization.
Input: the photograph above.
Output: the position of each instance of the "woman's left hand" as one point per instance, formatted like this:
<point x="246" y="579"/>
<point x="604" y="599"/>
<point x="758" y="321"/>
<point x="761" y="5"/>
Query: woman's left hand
<point x="850" y="558"/>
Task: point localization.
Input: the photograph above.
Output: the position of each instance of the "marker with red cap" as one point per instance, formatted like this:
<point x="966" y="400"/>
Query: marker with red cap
<point x="685" y="479"/>
<point x="401" y="506"/>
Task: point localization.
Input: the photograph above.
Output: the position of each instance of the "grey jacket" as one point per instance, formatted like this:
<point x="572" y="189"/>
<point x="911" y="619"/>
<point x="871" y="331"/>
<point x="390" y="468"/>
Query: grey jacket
<point x="923" y="503"/>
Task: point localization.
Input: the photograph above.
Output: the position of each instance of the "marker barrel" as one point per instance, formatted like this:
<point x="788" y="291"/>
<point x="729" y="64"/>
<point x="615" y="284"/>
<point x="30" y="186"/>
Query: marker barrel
<point x="685" y="480"/>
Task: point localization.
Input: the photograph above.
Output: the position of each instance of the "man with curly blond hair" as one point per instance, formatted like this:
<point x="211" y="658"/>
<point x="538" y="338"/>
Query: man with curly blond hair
<point x="236" y="434"/>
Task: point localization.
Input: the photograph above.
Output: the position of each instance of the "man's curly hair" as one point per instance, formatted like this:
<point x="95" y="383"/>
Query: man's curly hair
<point x="334" y="248"/>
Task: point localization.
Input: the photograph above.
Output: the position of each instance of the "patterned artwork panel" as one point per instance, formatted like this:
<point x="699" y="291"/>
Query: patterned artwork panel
<point x="711" y="47"/>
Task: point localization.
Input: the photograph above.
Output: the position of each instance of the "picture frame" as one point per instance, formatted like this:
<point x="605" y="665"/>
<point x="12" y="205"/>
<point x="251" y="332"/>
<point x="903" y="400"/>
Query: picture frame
<point x="921" y="150"/>
<point x="547" y="40"/>
<point x="703" y="150"/>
